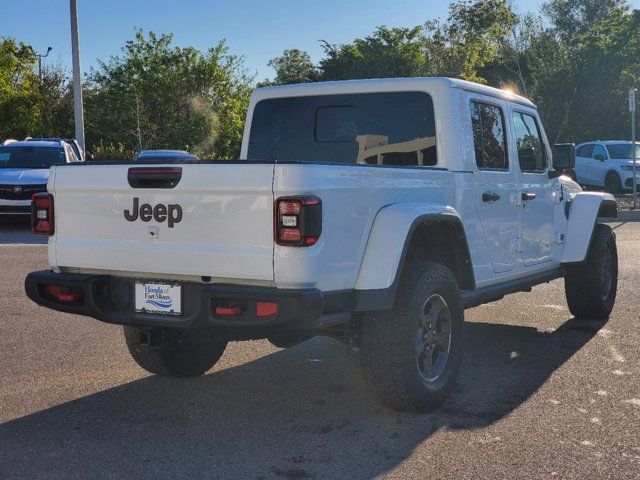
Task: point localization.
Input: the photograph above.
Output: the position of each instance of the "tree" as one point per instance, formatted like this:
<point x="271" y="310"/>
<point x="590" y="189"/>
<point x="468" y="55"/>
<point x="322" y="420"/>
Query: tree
<point x="459" y="47"/>
<point x="608" y="62"/>
<point x="56" y="99"/>
<point x="577" y="17"/>
<point x="19" y="90"/>
<point x="388" y="52"/>
<point x="469" y="39"/>
<point x="157" y="95"/>
<point x="293" y="66"/>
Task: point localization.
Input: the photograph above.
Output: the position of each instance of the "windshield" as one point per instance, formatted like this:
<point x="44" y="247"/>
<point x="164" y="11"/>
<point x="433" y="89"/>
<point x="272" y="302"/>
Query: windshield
<point x="165" y="158"/>
<point x="623" y="151"/>
<point x="31" y="157"/>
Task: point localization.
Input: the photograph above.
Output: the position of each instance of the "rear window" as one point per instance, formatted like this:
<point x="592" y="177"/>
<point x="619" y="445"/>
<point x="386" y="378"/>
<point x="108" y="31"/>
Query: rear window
<point x="396" y="129"/>
<point x="31" y="157"/>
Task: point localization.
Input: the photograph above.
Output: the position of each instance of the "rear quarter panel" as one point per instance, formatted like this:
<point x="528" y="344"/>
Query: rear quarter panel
<point x="352" y="196"/>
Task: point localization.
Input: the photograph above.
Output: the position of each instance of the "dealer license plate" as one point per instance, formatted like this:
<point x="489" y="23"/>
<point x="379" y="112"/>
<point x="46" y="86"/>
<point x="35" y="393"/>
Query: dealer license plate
<point x="158" y="298"/>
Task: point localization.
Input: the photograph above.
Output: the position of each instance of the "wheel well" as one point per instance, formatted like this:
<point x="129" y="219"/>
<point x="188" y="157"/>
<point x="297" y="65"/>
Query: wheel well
<point x="442" y="241"/>
<point x="608" y="209"/>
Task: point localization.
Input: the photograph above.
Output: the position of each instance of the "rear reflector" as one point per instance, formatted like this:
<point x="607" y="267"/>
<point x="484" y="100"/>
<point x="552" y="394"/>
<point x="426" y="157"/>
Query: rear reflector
<point x="266" y="309"/>
<point x="234" y="310"/>
<point x="42" y="221"/>
<point x="292" y="235"/>
<point x="63" y="294"/>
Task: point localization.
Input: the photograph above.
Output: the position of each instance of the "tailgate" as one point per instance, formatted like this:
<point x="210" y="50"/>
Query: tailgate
<point x="216" y="221"/>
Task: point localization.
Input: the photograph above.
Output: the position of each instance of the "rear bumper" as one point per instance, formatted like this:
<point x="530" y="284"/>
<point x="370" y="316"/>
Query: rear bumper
<point x="15" y="211"/>
<point x="111" y="300"/>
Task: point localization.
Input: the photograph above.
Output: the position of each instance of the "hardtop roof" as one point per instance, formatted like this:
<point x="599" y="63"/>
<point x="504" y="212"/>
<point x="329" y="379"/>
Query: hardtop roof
<point x="385" y="84"/>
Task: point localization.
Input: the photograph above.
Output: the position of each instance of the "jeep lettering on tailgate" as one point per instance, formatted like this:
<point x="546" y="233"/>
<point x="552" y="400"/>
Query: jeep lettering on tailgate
<point x="172" y="213"/>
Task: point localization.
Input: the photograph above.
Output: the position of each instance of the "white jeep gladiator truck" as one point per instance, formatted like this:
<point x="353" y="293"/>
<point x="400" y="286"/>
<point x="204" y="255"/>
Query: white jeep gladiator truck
<point x="374" y="211"/>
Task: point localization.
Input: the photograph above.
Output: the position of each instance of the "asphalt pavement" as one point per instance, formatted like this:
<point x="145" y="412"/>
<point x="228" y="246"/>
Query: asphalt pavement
<point x="540" y="395"/>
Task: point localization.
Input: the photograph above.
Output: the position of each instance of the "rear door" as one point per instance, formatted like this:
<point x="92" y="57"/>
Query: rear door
<point x="599" y="165"/>
<point x="536" y="188"/>
<point x="583" y="164"/>
<point x="495" y="183"/>
<point x="194" y="219"/>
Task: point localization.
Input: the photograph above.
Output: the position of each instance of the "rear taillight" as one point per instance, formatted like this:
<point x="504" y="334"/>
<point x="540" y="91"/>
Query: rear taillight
<point x="42" y="221"/>
<point x="298" y="221"/>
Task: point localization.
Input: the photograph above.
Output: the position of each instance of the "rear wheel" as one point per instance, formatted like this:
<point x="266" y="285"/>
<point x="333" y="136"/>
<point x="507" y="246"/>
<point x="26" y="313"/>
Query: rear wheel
<point x="171" y="352"/>
<point x="591" y="287"/>
<point x="411" y="355"/>
<point x="612" y="183"/>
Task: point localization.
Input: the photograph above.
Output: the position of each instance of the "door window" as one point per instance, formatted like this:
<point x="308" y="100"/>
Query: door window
<point x="531" y="153"/>
<point x="599" y="152"/>
<point x="585" y="151"/>
<point x="489" y="136"/>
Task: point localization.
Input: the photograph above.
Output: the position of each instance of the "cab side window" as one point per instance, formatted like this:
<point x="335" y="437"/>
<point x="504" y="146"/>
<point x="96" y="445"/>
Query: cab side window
<point x="489" y="136"/>
<point x="531" y="153"/>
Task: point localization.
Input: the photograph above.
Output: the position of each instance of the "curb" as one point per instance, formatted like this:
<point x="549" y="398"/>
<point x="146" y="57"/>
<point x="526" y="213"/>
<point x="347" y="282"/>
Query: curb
<point x="626" y="215"/>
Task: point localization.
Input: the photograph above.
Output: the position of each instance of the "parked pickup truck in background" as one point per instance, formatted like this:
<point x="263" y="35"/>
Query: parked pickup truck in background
<point x="374" y="211"/>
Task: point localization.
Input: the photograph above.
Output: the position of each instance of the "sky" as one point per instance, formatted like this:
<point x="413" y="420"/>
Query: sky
<point x="257" y="29"/>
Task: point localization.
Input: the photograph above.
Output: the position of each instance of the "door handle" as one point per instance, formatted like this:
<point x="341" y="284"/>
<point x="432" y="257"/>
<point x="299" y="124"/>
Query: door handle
<point x="490" y="197"/>
<point x="528" y="196"/>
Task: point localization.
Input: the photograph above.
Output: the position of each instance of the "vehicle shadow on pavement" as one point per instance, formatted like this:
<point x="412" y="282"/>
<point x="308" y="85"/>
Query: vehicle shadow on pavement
<point x="295" y="414"/>
<point x="18" y="231"/>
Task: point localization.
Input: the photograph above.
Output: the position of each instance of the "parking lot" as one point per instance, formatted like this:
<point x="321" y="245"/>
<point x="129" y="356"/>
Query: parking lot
<point x="540" y="395"/>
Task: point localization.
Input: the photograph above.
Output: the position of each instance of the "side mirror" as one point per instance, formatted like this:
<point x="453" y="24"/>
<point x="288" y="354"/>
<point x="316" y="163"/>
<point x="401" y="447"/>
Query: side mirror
<point x="564" y="156"/>
<point x="599" y="156"/>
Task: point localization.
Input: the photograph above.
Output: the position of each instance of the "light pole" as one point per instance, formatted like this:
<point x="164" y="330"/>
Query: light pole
<point x="78" y="110"/>
<point x="40" y="57"/>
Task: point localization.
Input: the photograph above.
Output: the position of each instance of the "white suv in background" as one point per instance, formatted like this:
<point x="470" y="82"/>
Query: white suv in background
<point x="24" y="171"/>
<point x="607" y="164"/>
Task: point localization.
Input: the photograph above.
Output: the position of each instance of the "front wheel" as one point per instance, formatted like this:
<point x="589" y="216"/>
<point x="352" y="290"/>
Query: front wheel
<point x="175" y="353"/>
<point x="612" y="183"/>
<point x="591" y="286"/>
<point x="411" y="355"/>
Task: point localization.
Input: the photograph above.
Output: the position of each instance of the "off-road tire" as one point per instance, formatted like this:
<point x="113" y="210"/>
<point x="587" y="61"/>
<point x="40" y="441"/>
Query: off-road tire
<point x="388" y="341"/>
<point x="612" y="183"/>
<point x="585" y="284"/>
<point x="177" y="353"/>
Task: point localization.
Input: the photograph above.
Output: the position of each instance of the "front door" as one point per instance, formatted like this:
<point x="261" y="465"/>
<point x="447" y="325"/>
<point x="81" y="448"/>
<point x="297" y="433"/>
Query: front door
<point x="495" y="184"/>
<point x="583" y="164"/>
<point x="536" y="194"/>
